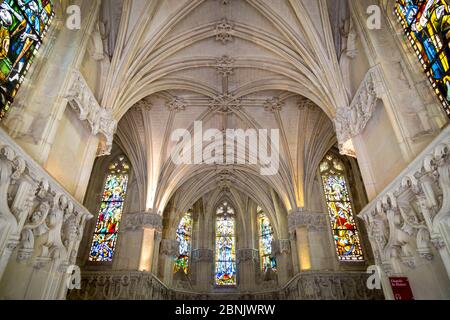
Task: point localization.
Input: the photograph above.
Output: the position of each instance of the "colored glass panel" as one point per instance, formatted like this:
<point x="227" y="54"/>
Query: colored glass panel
<point x="183" y="236"/>
<point x="340" y="209"/>
<point x="427" y="26"/>
<point x="23" y="25"/>
<point x="103" y="246"/>
<point x="225" y="253"/>
<point x="110" y="213"/>
<point x="265" y="242"/>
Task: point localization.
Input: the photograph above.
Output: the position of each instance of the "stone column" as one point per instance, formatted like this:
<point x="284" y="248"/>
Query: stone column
<point x="203" y="264"/>
<point x="281" y="249"/>
<point x="138" y="243"/>
<point x="168" y="253"/>
<point x="247" y="265"/>
<point x="312" y="235"/>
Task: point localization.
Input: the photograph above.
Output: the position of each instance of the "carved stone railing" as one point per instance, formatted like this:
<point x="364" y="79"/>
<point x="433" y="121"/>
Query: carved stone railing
<point x="127" y="285"/>
<point x="41" y="225"/>
<point x="101" y="120"/>
<point x="409" y="222"/>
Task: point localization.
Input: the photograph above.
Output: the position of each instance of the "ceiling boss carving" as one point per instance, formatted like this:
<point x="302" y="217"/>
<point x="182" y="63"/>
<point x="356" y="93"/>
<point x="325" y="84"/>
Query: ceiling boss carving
<point x="225" y="103"/>
<point x="224" y="31"/>
<point x="225" y="66"/>
<point x="176" y="104"/>
<point x="273" y="105"/>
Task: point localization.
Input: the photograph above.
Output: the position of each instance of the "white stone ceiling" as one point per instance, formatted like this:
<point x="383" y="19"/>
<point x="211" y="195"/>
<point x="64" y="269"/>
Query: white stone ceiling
<point x="233" y="64"/>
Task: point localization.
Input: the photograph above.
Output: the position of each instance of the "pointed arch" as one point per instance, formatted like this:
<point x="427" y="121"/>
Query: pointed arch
<point x="225" y="246"/>
<point x="340" y="209"/>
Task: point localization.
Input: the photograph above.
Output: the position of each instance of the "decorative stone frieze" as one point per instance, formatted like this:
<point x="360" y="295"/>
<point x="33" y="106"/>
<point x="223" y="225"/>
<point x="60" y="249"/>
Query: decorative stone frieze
<point x="245" y="255"/>
<point x="141" y="220"/>
<point x="314" y="221"/>
<point x="125" y="285"/>
<point x="351" y="121"/>
<point x="101" y="120"/>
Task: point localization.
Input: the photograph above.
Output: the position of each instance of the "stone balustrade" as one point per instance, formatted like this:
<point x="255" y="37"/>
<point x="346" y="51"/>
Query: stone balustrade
<point x="125" y="285"/>
<point x="409" y="222"/>
<point x="41" y="227"/>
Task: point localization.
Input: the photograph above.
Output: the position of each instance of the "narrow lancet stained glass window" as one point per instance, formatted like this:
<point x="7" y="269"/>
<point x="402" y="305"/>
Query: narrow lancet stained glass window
<point x="345" y="233"/>
<point x="110" y="214"/>
<point x="225" y="257"/>
<point x="23" y="25"/>
<point x="265" y="242"/>
<point x="427" y="26"/>
<point x="184" y="238"/>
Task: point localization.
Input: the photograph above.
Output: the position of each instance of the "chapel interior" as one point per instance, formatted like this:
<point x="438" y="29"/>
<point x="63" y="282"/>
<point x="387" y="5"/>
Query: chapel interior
<point x="352" y="97"/>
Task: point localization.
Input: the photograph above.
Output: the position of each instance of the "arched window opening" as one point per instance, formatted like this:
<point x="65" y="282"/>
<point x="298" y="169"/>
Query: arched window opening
<point x="426" y="24"/>
<point x="23" y="25"/>
<point x="110" y="214"/>
<point x="340" y="209"/>
<point x="225" y="255"/>
<point x="267" y="261"/>
<point x="184" y="238"/>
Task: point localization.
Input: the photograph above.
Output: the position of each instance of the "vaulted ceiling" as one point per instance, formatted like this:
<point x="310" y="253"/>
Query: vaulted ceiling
<point x="231" y="64"/>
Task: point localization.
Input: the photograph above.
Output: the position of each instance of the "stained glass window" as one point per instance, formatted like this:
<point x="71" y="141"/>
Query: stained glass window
<point x="345" y="232"/>
<point x="184" y="238"/>
<point x="225" y="274"/>
<point x="23" y="25"/>
<point x="427" y="26"/>
<point x="110" y="213"/>
<point x="265" y="242"/>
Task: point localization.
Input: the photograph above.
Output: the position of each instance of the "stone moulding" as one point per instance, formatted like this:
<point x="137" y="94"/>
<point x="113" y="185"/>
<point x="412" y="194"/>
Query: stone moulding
<point x="351" y="121"/>
<point x="101" y="120"/>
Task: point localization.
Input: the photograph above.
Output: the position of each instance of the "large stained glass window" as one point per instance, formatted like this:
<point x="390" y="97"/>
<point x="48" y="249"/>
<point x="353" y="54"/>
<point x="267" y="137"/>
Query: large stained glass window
<point x="110" y="214"/>
<point x="427" y="26"/>
<point x="184" y="238"/>
<point x="23" y="25"/>
<point x="225" y="258"/>
<point x="345" y="232"/>
<point x="265" y="242"/>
